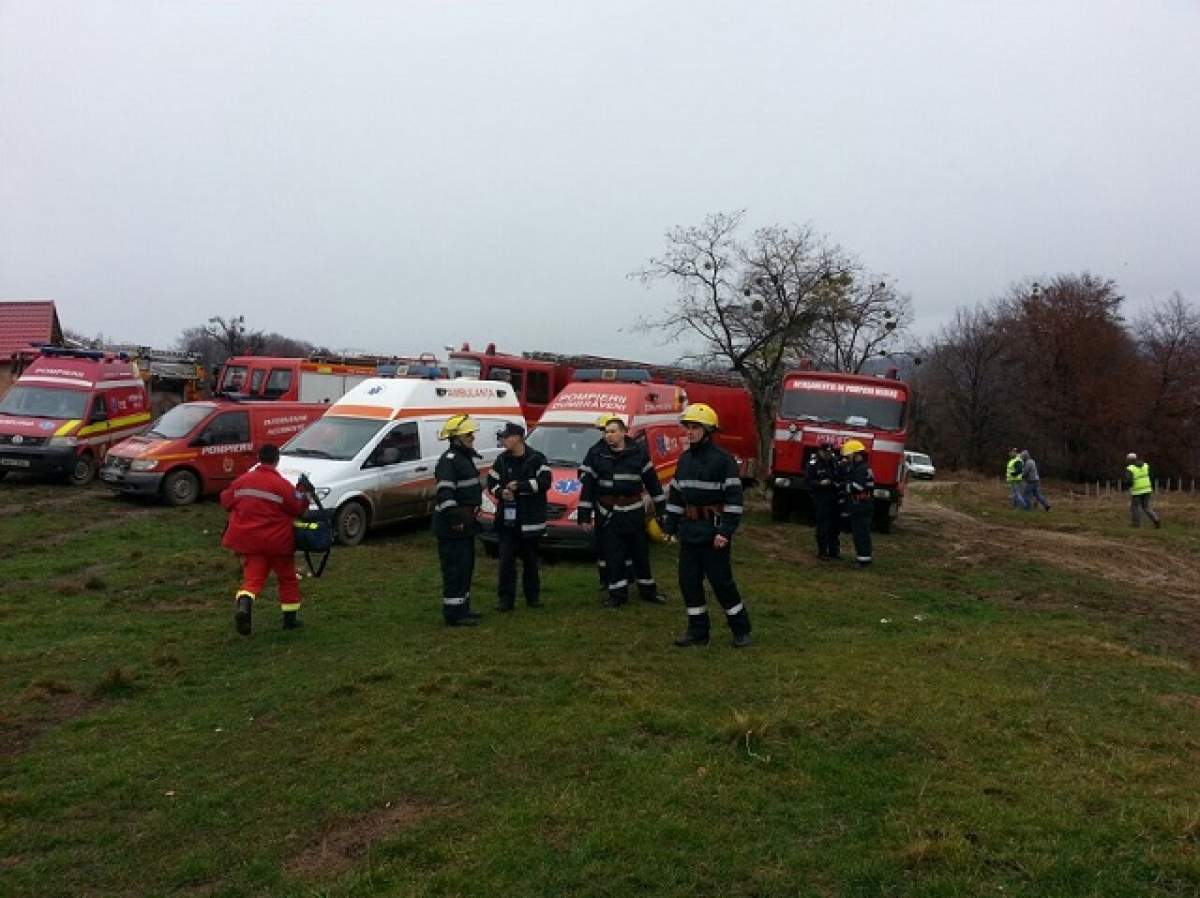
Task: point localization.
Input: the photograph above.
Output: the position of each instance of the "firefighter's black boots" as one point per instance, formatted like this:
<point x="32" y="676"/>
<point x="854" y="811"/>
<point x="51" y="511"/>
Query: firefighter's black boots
<point x="290" y="621"/>
<point x="242" y="611"/>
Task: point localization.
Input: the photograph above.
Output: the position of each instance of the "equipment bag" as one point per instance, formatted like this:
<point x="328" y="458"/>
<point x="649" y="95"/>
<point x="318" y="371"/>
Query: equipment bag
<point x="314" y="536"/>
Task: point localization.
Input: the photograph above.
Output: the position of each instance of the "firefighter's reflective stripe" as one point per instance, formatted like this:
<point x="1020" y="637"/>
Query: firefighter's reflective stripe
<point x="454" y="484"/>
<point x="648" y="581"/>
<point x="703" y="484"/>
<point x="244" y="594"/>
<point x="635" y="478"/>
<point x="587" y="469"/>
<point x="649" y="466"/>
<point x="442" y="506"/>
<point x="733" y="509"/>
<point x="618" y="584"/>
<point x="730" y="612"/>
<point x="674" y="509"/>
<point x="459" y="600"/>
<point x="697" y="610"/>
<point x="289" y="606"/>
<point x="733" y="481"/>
<point x="532" y="528"/>
<point x="635" y="506"/>
<point x="583" y="503"/>
<point x="258" y="494"/>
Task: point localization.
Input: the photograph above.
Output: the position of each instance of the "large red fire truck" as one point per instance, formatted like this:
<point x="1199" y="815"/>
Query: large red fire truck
<point x="538" y="377"/>
<point x="320" y="380"/>
<point x="821" y="405"/>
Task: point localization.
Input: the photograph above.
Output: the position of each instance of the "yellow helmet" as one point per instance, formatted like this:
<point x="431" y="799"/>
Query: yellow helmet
<point x="607" y="418"/>
<point x="699" y="413"/>
<point x="654" y="531"/>
<point x="851" y="446"/>
<point x="457" y="426"/>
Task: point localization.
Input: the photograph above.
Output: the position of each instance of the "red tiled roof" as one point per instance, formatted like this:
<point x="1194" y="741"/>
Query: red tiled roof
<point x="27" y="321"/>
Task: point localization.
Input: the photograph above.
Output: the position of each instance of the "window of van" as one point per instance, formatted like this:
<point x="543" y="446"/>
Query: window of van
<point x="224" y="429"/>
<point x="44" y="402"/>
<point x="256" y="380"/>
<point x="279" y="382"/>
<point x="403" y="439"/>
<point x="334" y="437"/>
<point x="179" y="421"/>
<point x="539" y="388"/>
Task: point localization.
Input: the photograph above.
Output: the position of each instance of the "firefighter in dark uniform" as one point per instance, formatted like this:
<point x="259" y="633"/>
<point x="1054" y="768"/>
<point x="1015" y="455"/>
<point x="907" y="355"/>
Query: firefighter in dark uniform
<point x="615" y="476"/>
<point x="824" y="476"/>
<point x="704" y="508"/>
<point x="459" y="493"/>
<point x="519" y="479"/>
<point x="859" y="488"/>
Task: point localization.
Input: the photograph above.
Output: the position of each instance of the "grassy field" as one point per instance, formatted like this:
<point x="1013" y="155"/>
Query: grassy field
<point x="1003" y="705"/>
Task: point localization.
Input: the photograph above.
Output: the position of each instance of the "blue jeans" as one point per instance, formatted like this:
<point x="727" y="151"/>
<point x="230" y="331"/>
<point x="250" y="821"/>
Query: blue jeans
<point x="1018" y="499"/>
<point x="1033" y="494"/>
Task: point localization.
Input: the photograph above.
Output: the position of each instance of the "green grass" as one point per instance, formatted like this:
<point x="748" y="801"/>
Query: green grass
<point x="977" y="743"/>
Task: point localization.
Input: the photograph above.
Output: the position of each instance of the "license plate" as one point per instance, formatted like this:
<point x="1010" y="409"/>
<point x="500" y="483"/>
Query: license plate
<point x="15" y="462"/>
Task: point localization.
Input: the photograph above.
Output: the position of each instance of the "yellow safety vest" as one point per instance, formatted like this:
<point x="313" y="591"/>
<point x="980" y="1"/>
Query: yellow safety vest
<point x="1009" y="470"/>
<point x="1140" y="475"/>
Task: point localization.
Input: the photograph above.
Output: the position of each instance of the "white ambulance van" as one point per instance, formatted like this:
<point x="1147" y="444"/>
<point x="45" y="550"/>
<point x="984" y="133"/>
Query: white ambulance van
<point x="372" y="456"/>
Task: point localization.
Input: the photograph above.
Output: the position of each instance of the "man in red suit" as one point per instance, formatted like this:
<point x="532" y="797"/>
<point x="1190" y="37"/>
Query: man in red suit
<point x="262" y="506"/>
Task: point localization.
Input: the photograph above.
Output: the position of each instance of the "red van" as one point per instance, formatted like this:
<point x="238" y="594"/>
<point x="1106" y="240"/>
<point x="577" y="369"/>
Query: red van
<point x="66" y="409"/>
<point x="198" y="448"/>
<point x="567" y="429"/>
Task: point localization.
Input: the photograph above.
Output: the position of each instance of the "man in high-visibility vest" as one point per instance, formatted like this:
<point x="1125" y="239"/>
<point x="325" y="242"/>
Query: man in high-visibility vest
<point x="1014" y="476"/>
<point x="1141" y="487"/>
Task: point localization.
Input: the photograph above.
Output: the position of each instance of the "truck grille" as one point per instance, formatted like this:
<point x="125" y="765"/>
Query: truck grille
<point x="7" y="440"/>
<point x="117" y="463"/>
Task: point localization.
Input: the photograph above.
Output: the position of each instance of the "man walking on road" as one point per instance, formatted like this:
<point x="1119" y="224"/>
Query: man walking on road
<point x="1141" y="487"/>
<point x="1012" y="476"/>
<point x="1033" y="482"/>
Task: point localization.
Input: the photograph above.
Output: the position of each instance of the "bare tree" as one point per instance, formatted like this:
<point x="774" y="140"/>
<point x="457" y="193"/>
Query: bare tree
<point x="862" y="314"/>
<point x="753" y="305"/>
<point x="1168" y="337"/>
<point x="233" y="338"/>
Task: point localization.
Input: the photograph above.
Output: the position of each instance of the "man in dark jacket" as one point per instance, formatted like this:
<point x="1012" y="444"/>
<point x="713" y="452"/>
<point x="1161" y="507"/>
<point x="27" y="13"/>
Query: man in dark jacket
<point x="614" y="477"/>
<point x="704" y="508"/>
<point x="824" y="486"/>
<point x="860" y="496"/>
<point x="262" y="507"/>
<point x="519" y="480"/>
<point x="455" y="518"/>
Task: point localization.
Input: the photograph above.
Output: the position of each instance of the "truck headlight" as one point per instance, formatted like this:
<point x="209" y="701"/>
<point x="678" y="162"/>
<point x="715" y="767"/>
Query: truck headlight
<point x="143" y="464"/>
<point x="883" y="494"/>
<point x="487" y="504"/>
<point x="323" y="492"/>
<point x="63" y="441"/>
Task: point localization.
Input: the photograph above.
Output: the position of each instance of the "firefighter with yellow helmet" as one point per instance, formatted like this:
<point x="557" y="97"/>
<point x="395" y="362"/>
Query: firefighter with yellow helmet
<point x="615" y="477"/>
<point x="456" y="507"/>
<point x="859" y="483"/>
<point x="704" y="508"/>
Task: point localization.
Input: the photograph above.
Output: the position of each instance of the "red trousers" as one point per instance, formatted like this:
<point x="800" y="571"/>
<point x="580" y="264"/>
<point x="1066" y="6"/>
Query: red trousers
<point x="256" y="569"/>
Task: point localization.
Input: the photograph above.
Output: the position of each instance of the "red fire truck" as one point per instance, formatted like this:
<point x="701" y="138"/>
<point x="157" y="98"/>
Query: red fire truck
<point x="538" y="377"/>
<point x="320" y="380"/>
<point x="821" y="405"/>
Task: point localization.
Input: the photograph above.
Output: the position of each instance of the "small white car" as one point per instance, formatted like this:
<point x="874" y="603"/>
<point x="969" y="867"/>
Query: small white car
<point x="919" y="465"/>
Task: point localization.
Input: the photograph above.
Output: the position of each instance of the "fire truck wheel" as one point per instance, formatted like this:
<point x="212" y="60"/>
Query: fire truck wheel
<point x="180" y="488"/>
<point x="781" y="505"/>
<point x="350" y="523"/>
<point x="84" y="471"/>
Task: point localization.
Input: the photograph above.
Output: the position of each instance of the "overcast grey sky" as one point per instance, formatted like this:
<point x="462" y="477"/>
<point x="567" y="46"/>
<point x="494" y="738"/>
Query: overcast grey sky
<point x="398" y="176"/>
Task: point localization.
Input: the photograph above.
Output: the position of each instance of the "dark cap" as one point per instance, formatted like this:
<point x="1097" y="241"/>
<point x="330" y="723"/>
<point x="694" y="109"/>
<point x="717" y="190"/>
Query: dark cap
<point x="512" y="429"/>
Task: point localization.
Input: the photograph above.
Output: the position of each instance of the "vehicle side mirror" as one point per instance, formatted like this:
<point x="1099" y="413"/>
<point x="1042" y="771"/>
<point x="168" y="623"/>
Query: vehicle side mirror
<point x="98" y="415"/>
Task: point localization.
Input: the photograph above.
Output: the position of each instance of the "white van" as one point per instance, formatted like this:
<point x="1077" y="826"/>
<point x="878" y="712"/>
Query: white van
<point x="920" y="465"/>
<point x="372" y="456"/>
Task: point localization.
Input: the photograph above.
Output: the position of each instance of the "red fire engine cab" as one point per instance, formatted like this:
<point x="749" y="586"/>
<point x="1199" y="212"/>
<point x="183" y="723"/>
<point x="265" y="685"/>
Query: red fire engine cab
<point x="821" y="405"/>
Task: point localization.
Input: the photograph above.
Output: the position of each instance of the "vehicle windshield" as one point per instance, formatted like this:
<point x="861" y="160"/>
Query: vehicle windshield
<point x="563" y="444"/>
<point x="915" y="458"/>
<point x="44" y="402"/>
<point x="179" y="421"/>
<point x="842" y="408"/>
<point x="465" y="368"/>
<point x="333" y="437"/>
<point x="233" y="380"/>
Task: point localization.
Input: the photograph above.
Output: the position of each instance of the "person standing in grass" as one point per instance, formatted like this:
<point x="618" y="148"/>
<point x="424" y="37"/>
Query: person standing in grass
<point x="455" y="518"/>
<point x="859" y="485"/>
<point x="519" y="479"/>
<point x="1012" y="476"/>
<point x="704" y="507"/>
<point x="1141" y="487"/>
<point x="262" y="507"/>
<point x="1033" y="482"/>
